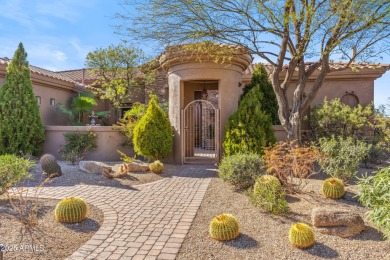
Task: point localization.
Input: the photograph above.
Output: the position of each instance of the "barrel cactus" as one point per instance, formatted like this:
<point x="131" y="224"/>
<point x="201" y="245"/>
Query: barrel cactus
<point x="224" y="227"/>
<point x="50" y="166"/>
<point x="301" y="235"/>
<point x="71" y="210"/>
<point x="333" y="188"/>
<point x="267" y="182"/>
<point x="156" y="167"/>
<point x="269" y="195"/>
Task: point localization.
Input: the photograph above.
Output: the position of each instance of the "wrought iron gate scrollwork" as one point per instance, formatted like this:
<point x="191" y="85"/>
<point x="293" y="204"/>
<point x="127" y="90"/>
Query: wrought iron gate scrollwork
<point x="200" y="132"/>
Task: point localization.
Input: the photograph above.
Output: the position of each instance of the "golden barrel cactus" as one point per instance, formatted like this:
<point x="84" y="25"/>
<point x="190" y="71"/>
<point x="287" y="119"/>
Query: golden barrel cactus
<point x="301" y="235"/>
<point x="71" y="210"/>
<point x="224" y="227"/>
<point x="156" y="167"/>
<point x="267" y="181"/>
<point x="333" y="188"/>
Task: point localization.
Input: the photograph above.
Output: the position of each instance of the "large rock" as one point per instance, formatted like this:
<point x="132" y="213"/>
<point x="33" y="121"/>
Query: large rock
<point x="340" y="222"/>
<point x="115" y="171"/>
<point x="94" y="167"/>
<point x="137" y="166"/>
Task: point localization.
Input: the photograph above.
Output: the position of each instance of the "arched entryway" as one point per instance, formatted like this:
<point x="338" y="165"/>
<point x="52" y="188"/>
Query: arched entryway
<point x="188" y="75"/>
<point x="200" y="128"/>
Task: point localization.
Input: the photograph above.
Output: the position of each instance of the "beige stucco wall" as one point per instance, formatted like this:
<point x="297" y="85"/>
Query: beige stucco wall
<point x="337" y="88"/>
<point x="50" y="114"/>
<point x="280" y="133"/>
<point x="109" y="141"/>
<point x="190" y="87"/>
<point x="229" y="79"/>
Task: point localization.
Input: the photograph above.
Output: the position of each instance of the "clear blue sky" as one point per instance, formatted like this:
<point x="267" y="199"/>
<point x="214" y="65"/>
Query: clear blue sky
<point x="58" y="34"/>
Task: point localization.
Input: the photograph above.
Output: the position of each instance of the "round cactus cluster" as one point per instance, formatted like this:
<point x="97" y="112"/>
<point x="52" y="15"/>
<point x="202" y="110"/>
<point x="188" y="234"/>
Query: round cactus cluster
<point x="333" y="188"/>
<point x="267" y="182"/>
<point x="71" y="210"/>
<point x="301" y="235"/>
<point x="50" y="166"/>
<point x="156" y="167"/>
<point x="224" y="227"/>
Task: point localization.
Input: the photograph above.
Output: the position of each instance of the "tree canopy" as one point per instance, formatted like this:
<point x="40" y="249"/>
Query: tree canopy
<point x="118" y="70"/>
<point x="305" y="35"/>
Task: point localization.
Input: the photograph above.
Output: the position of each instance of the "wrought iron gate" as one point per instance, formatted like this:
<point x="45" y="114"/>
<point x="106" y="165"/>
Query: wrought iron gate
<point x="200" y="132"/>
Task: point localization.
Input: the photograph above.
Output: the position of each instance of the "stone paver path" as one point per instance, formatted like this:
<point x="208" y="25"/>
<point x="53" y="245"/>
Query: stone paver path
<point x="148" y="222"/>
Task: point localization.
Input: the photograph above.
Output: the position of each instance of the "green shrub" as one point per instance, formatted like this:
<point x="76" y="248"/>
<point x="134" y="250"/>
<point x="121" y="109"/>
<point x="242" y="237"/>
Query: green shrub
<point x="240" y="170"/>
<point x="153" y="136"/>
<point x="269" y="195"/>
<point x="21" y="128"/>
<point x="375" y="194"/>
<point x="378" y="153"/>
<point x="342" y="156"/>
<point x="249" y="129"/>
<point x="13" y="169"/>
<point x="129" y="121"/>
<point x="380" y="150"/>
<point x="269" y="104"/>
<point x="77" y="145"/>
<point x="338" y="119"/>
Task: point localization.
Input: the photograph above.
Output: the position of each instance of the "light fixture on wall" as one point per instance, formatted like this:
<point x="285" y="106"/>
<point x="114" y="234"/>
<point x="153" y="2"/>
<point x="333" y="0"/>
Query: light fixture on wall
<point x="204" y="91"/>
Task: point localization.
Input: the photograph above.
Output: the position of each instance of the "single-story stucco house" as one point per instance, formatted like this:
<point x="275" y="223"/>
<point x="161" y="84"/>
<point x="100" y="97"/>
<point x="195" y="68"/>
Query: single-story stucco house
<point x="201" y="96"/>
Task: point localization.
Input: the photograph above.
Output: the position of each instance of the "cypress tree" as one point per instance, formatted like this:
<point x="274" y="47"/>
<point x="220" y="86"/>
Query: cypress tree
<point x="249" y="129"/>
<point x="153" y="137"/>
<point x="21" y="128"/>
<point x="269" y="104"/>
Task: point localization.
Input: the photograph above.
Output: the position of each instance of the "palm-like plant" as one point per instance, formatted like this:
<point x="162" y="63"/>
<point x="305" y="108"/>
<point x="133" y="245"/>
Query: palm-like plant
<point x="84" y="102"/>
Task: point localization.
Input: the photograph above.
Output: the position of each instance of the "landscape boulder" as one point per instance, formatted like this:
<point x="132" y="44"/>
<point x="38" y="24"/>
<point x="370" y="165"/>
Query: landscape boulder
<point x="137" y="166"/>
<point x="94" y="167"/>
<point x="336" y="221"/>
<point x="115" y="171"/>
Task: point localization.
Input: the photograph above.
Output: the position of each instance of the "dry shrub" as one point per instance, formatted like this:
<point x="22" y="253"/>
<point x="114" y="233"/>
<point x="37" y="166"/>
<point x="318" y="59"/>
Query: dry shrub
<point x="291" y="163"/>
<point x="26" y="203"/>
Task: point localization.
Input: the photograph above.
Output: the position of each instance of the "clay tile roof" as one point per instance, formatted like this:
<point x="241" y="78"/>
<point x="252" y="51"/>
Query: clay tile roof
<point x="40" y="71"/>
<point x="333" y="66"/>
<point x="77" y="75"/>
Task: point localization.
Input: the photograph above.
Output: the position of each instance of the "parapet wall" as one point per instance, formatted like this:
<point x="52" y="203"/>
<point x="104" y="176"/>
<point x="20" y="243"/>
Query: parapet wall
<point x="109" y="140"/>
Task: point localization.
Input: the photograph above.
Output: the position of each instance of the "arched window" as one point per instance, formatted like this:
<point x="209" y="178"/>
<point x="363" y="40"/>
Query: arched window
<point x="350" y="99"/>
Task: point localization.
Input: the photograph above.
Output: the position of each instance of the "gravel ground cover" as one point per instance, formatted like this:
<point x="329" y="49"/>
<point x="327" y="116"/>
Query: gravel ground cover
<point x="72" y="175"/>
<point x="265" y="236"/>
<point x="50" y="239"/>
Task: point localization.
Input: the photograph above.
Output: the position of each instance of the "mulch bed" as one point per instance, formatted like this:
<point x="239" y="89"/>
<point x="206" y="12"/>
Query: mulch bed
<point x="49" y="239"/>
<point x="265" y="236"/>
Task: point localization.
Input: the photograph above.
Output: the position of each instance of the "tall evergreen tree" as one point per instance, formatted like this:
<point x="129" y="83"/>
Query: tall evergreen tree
<point x="21" y="128"/>
<point x="269" y="104"/>
<point x="250" y="128"/>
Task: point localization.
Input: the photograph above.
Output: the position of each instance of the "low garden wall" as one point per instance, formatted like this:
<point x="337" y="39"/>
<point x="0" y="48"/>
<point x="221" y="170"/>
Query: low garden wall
<point x="280" y="133"/>
<point x="109" y="140"/>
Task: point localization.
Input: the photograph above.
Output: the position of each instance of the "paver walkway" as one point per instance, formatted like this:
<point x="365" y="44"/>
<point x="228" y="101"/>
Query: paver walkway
<point x="150" y="222"/>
